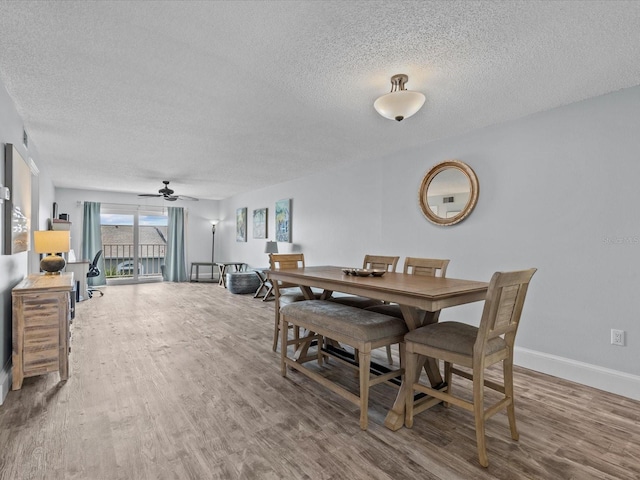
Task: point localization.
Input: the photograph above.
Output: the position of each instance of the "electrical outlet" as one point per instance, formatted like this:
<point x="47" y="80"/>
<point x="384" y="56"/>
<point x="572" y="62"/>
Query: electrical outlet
<point x="617" y="337"/>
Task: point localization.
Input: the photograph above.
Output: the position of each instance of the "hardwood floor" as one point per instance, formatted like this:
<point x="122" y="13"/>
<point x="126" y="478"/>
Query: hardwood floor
<point x="178" y="381"/>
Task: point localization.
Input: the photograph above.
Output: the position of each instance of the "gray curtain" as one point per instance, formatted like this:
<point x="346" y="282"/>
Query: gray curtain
<point x="175" y="267"/>
<point x="92" y="240"/>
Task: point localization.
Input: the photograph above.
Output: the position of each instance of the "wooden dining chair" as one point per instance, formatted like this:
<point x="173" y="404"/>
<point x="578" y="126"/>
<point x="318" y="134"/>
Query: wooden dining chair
<point x="285" y="293"/>
<point x="475" y="348"/>
<point x="430" y="267"/>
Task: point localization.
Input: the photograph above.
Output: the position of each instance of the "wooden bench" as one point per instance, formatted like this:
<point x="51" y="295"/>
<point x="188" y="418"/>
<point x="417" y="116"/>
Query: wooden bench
<point x="361" y="329"/>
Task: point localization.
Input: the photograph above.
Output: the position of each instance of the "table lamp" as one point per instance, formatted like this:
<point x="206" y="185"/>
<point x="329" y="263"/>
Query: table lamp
<point x="52" y="242"/>
<point x="271" y="247"/>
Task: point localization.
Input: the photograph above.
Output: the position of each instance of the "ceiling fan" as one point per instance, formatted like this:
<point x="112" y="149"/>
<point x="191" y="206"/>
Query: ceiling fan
<point x="167" y="193"/>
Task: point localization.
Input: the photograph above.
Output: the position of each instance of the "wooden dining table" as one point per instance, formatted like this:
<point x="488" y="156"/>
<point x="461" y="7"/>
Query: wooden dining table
<point x="416" y="295"/>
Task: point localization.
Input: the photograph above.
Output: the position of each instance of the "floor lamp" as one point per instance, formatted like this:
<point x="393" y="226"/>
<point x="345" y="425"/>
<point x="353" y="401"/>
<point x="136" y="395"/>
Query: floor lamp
<point x="213" y="240"/>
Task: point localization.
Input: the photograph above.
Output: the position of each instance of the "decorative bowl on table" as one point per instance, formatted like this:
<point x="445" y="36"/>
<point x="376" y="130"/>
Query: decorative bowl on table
<point x="347" y="271"/>
<point x="362" y="272"/>
<point x="378" y="272"/>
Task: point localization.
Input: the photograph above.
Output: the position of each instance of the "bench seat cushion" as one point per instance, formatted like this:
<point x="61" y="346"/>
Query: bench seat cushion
<point x="349" y="321"/>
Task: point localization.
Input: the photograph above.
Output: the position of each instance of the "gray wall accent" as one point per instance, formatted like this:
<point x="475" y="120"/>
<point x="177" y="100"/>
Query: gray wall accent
<point x="558" y="191"/>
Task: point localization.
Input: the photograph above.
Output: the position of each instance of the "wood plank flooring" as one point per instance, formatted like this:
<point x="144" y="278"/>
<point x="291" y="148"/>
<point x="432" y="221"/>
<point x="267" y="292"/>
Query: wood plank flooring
<point x="178" y="381"/>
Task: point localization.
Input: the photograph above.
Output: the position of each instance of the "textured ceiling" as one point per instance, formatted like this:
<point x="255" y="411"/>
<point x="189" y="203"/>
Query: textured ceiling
<point x="226" y="97"/>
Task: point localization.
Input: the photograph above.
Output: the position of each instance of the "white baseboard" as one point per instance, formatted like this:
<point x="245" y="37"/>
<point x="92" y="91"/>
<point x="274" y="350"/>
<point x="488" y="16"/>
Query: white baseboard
<point x="613" y="381"/>
<point x="5" y="381"/>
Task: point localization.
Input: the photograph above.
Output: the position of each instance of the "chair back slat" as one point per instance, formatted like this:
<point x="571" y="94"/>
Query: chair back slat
<point x="381" y="262"/>
<point x="429" y="267"/>
<point x="503" y="307"/>
<point x="506" y="307"/>
<point x="286" y="260"/>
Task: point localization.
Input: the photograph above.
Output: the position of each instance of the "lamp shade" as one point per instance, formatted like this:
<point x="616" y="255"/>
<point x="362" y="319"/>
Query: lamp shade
<point x="399" y="105"/>
<point x="52" y="241"/>
<point x="271" y="247"/>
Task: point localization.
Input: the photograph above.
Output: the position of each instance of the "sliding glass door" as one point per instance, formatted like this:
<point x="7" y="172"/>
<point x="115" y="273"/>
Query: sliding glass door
<point x="134" y="243"/>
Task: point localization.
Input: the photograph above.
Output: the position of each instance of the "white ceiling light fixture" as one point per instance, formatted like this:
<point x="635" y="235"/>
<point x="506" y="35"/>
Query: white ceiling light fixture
<point x="400" y="103"/>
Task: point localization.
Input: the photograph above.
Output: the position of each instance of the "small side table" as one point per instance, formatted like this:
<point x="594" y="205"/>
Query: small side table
<point x="198" y="265"/>
<point x="265" y="284"/>
<point x="224" y="266"/>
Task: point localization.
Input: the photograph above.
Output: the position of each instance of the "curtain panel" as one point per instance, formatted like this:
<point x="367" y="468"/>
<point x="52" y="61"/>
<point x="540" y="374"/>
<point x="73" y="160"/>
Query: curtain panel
<point x="92" y="240"/>
<point x="175" y="265"/>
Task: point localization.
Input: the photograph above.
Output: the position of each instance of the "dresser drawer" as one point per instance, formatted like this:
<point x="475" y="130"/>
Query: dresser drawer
<point x="41" y="312"/>
<point x="47" y="336"/>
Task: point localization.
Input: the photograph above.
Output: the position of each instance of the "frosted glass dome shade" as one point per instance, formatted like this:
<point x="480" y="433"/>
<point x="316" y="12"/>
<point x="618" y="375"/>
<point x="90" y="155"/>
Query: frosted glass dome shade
<point x="399" y="105"/>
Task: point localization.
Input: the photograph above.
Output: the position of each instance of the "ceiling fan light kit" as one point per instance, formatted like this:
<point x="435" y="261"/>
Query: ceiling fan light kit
<point x="400" y="103"/>
<point x="168" y="194"/>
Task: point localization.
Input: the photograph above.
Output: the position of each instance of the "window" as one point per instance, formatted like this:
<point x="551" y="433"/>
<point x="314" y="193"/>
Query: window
<point x="134" y="243"/>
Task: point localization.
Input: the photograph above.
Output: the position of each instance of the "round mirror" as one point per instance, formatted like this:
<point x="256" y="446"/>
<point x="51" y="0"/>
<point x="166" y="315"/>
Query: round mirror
<point x="448" y="192"/>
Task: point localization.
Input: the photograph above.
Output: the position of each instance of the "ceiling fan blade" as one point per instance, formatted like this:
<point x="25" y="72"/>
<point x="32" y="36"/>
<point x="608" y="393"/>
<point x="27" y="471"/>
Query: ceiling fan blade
<point x="149" y="195"/>
<point x="170" y="199"/>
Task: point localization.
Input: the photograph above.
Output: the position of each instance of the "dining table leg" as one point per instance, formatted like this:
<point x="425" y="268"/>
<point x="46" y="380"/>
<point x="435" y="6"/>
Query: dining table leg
<point x="395" y="418"/>
<point x="414" y="318"/>
<point x="307" y="292"/>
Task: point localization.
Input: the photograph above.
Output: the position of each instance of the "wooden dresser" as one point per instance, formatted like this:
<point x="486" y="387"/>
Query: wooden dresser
<point x="42" y="308"/>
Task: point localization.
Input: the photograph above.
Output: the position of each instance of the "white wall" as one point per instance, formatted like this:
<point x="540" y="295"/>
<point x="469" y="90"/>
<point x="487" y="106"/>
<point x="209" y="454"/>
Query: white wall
<point x="198" y="232"/>
<point x="13" y="268"/>
<point x="558" y="191"/>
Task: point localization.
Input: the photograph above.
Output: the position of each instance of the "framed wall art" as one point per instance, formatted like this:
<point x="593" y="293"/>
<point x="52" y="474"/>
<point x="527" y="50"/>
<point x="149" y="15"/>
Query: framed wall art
<point x="260" y="223"/>
<point x="17" y="210"/>
<point x="241" y="224"/>
<point x="283" y="220"/>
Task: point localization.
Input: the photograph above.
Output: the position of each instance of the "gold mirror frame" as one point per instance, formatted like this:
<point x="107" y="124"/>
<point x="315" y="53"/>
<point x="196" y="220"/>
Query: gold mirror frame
<point x="431" y="175"/>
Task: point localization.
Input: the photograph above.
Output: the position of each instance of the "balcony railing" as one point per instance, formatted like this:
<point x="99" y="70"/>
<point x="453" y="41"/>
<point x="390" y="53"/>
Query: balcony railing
<point x="119" y="262"/>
